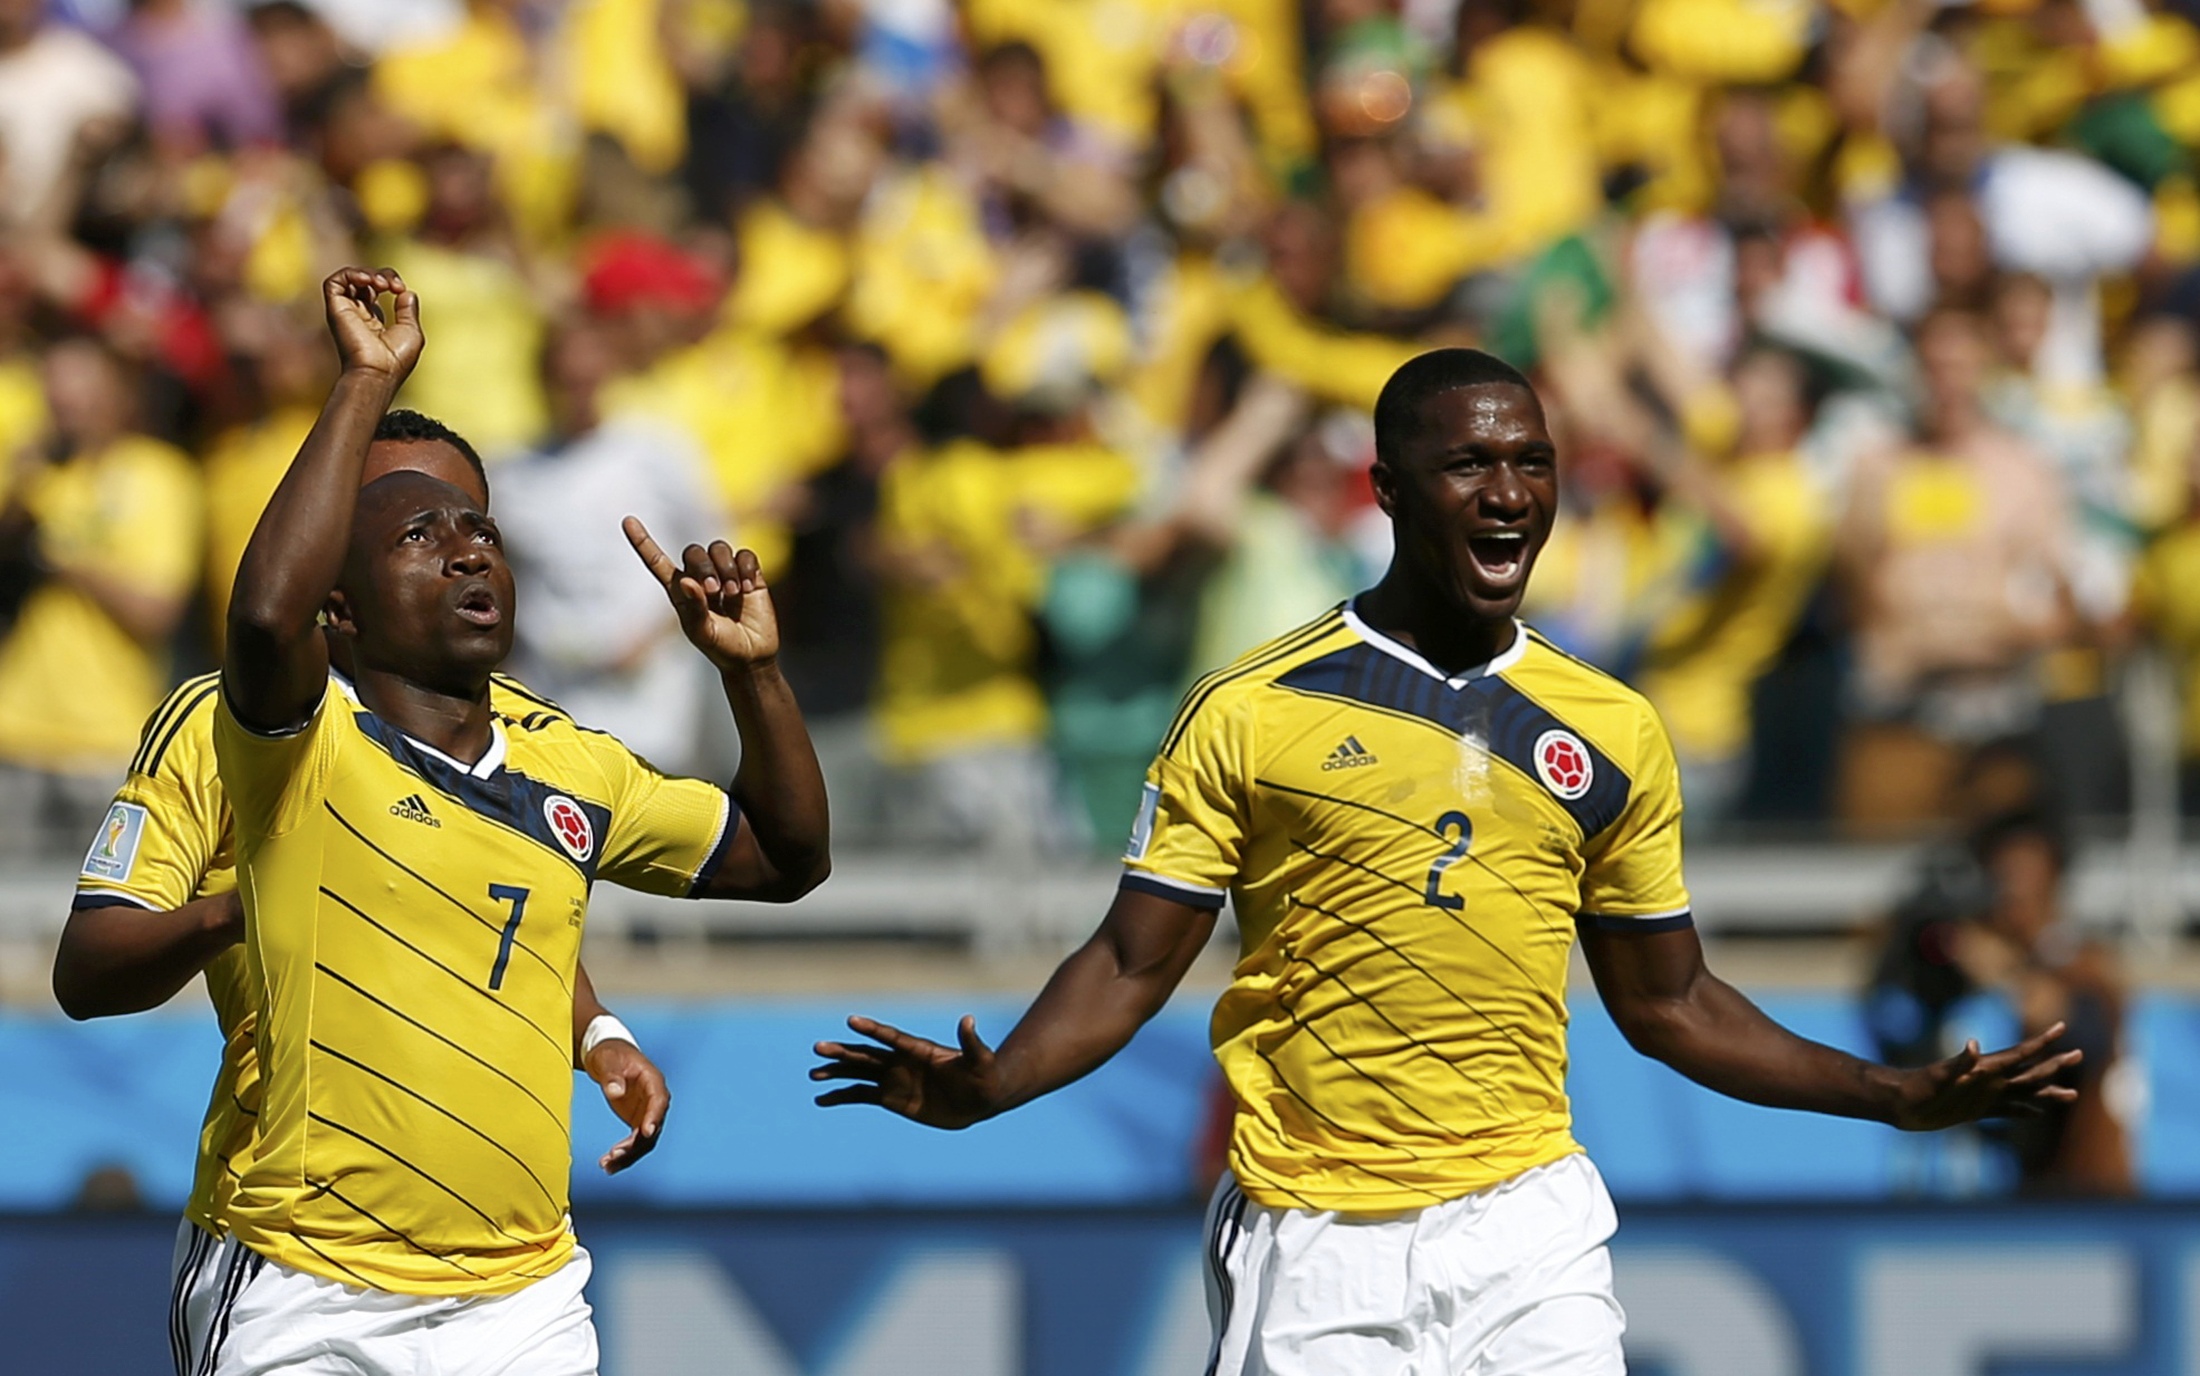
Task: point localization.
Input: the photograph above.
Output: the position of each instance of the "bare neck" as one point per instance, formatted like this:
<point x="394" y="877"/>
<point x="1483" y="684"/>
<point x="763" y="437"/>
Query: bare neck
<point x="455" y="724"/>
<point x="1451" y="637"/>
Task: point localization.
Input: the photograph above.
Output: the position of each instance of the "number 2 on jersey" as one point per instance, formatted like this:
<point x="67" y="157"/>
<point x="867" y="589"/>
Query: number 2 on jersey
<point x="1446" y="825"/>
<point x="505" y="893"/>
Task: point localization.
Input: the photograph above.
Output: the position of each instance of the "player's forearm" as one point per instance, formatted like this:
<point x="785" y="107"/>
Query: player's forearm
<point x="779" y="787"/>
<point x="1088" y="1011"/>
<point x="123" y="959"/>
<point x="1718" y="1038"/>
<point x="296" y="553"/>
<point x="1098" y="998"/>
<point x="586" y="1009"/>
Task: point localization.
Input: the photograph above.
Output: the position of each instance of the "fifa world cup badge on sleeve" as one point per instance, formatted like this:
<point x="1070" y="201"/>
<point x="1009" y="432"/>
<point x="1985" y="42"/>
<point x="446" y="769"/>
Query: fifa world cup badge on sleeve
<point x="1149" y="802"/>
<point x="114" y="851"/>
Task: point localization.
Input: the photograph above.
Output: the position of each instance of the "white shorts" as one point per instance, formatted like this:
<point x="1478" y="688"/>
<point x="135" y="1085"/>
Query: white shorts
<point x="1512" y="1281"/>
<point x="233" y="1312"/>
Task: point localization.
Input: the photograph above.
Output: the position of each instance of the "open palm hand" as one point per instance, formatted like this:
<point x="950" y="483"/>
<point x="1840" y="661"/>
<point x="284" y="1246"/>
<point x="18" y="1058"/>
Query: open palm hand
<point x="1971" y="1085"/>
<point x="940" y="1086"/>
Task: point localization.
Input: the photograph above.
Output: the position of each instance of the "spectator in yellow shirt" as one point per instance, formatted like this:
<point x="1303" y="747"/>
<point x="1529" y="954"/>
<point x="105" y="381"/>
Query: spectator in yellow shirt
<point x="1768" y="528"/>
<point x="483" y="381"/>
<point x="290" y="369"/>
<point x="108" y="521"/>
<point x="965" y="530"/>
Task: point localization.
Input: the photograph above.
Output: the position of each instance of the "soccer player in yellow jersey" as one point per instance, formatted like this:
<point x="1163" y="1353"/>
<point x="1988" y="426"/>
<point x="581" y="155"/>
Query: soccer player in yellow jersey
<point x="1416" y="804"/>
<point x="415" y="874"/>
<point x="157" y="903"/>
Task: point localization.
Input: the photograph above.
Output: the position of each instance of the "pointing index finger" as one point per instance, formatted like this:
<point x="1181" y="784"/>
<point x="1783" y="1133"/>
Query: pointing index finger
<point x="660" y="565"/>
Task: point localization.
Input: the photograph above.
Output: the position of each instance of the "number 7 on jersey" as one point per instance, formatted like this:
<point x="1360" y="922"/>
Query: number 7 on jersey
<point x="505" y="893"/>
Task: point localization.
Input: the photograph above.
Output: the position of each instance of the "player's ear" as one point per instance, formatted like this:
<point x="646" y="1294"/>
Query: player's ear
<point x="336" y="614"/>
<point x="1385" y="484"/>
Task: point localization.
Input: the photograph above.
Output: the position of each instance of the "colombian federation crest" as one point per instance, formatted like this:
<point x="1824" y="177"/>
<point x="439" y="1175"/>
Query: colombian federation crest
<point x="570" y="825"/>
<point x="1563" y="763"/>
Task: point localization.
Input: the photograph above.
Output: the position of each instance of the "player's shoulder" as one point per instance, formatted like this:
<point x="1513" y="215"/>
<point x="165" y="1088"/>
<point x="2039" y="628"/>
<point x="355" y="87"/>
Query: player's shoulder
<point x="1547" y="663"/>
<point x="180" y="732"/>
<point x="1238" y="684"/>
<point x="522" y="706"/>
<point x="1592" y="700"/>
<point x="545" y="742"/>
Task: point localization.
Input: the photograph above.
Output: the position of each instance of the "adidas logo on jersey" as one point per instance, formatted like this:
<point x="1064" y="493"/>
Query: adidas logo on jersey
<point x="1350" y="755"/>
<point x="414" y="808"/>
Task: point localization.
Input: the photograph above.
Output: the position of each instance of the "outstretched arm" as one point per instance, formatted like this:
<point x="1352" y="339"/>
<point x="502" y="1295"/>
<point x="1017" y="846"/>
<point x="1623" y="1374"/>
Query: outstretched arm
<point x="1095" y="1003"/>
<point x="275" y="664"/>
<point x="782" y="846"/>
<point x="1673" y="1009"/>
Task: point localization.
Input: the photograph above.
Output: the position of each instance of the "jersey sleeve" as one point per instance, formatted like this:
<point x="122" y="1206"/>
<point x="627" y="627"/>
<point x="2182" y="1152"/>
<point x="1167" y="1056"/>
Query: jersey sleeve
<point x="1188" y="841"/>
<point x="274" y="781"/>
<point x="668" y="835"/>
<point x="1633" y="878"/>
<point x="161" y="837"/>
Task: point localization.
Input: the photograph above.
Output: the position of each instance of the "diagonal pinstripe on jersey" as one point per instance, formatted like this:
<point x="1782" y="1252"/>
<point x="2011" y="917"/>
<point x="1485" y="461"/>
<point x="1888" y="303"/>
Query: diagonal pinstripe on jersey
<point x="444" y="894"/>
<point x="472" y="987"/>
<point x="549" y="1196"/>
<point x="398" y="1157"/>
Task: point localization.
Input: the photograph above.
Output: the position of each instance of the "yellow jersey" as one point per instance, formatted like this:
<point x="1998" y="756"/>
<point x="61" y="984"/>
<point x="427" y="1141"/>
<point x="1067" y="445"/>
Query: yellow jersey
<point x="1709" y="652"/>
<point x="764" y="413"/>
<point x="1409" y="853"/>
<point x="956" y="653"/>
<point x="168" y="839"/>
<point x="412" y="925"/>
<point x="71" y="678"/>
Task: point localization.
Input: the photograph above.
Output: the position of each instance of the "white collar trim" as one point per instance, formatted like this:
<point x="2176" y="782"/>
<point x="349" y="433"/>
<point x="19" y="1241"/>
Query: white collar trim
<point x="491" y="759"/>
<point x="1506" y="659"/>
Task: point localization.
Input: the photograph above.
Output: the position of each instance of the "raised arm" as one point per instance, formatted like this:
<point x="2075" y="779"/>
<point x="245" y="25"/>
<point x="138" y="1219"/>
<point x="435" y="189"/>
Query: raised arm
<point x="1673" y="1009"/>
<point x="1095" y="1003"/>
<point x="275" y="663"/>
<point x="781" y="848"/>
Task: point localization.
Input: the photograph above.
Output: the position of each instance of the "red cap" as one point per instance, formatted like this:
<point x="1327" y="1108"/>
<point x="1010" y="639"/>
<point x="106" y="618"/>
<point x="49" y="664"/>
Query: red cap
<point x="627" y="268"/>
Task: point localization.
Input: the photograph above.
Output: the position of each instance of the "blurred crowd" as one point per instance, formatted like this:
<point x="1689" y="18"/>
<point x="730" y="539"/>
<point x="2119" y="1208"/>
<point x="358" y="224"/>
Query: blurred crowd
<point x="1031" y="343"/>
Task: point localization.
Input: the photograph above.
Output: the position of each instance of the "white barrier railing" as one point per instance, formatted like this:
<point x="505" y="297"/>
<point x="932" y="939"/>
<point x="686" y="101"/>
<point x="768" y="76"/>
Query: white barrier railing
<point x="1759" y="889"/>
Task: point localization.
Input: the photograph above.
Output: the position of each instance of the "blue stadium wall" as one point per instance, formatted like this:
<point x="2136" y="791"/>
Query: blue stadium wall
<point x="743" y="1133"/>
<point x="1790" y="1290"/>
<point x="770" y="1238"/>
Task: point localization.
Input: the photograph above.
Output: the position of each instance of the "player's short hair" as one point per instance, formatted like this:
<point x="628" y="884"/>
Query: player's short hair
<point x="1398" y="408"/>
<point x="410" y="427"/>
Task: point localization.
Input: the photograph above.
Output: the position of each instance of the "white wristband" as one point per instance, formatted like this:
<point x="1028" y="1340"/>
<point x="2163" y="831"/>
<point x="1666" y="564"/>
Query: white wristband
<point x="604" y="1028"/>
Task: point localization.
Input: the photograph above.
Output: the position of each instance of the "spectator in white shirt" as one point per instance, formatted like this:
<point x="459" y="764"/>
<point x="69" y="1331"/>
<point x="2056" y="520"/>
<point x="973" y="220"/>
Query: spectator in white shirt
<point x="2060" y="216"/>
<point x="599" y="636"/>
<point x="56" y="84"/>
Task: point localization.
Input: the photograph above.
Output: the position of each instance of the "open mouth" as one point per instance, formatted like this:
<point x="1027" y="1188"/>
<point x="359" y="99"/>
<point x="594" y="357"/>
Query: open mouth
<point x="478" y="604"/>
<point x="1499" y="556"/>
